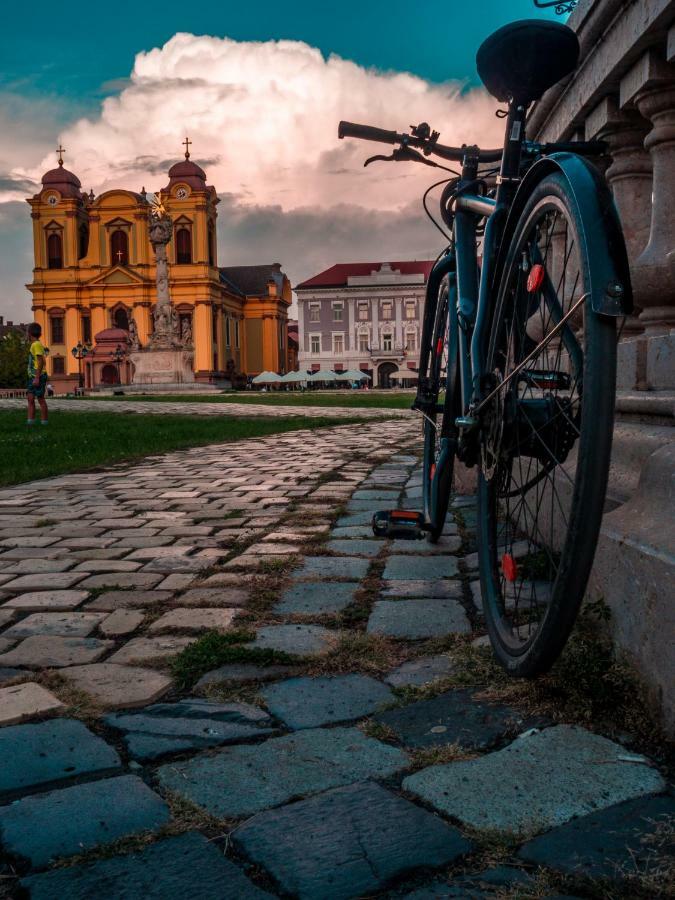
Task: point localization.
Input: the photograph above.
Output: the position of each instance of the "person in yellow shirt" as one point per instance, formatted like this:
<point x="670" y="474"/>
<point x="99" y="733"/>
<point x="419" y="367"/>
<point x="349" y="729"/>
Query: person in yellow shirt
<point x="37" y="375"/>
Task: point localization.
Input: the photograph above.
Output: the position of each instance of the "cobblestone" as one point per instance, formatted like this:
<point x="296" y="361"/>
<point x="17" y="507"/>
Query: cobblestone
<point x="181" y="543"/>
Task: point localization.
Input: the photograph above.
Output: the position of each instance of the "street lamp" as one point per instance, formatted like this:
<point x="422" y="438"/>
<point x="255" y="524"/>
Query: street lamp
<point x="118" y="356"/>
<point x="561" y="6"/>
<point x="79" y="351"/>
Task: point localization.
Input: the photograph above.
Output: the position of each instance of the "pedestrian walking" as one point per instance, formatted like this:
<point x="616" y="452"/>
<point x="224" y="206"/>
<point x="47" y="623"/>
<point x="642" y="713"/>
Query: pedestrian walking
<point x="37" y="375"/>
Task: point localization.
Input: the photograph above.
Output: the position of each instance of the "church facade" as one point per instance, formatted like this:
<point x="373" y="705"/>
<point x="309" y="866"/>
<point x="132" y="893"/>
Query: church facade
<point x="94" y="281"/>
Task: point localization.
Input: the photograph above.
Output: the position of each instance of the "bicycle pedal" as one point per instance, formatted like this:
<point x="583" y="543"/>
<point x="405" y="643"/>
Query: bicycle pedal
<point x="398" y="523"/>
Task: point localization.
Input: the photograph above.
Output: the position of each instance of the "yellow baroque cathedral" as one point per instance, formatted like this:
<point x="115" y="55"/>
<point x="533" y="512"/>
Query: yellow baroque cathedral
<point x="94" y="272"/>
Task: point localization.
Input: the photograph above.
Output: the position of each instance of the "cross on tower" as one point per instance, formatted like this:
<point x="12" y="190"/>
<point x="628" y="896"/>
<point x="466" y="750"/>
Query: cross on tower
<point x="120" y="254"/>
<point x="60" y="151"/>
<point x="186" y="144"/>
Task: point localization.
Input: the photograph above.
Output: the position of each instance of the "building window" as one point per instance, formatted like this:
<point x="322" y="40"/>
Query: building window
<point x="386" y="341"/>
<point x="387" y="309"/>
<point x="214" y="326"/>
<point x="363" y="312"/>
<point x="281" y="336"/>
<point x="212" y="244"/>
<point x="121" y="318"/>
<point x="314" y="312"/>
<point x="227" y="331"/>
<point x="410" y="309"/>
<point x="54" y="251"/>
<point x="86" y="329"/>
<point x="183" y="246"/>
<point x="338" y="344"/>
<point x="411" y="339"/>
<point x="315" y="343"/>
<point x="82" y="241"/>
<point x="363" y="342"/>
<point x="56" y="329"/>
<point x="119" y="248"/>
<point x="337" y="312"/>
<point x="58" y="365"/>
<point x="236" y="333"/>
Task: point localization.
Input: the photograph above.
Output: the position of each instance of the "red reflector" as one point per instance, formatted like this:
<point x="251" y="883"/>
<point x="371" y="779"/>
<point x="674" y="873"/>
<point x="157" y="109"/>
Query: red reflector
<point x="432" y="471"/>
<point x="509" y="567"/>
<point x="439" y="347"/>
<point x="402" y="514"/>
<point x="536" y="278"/>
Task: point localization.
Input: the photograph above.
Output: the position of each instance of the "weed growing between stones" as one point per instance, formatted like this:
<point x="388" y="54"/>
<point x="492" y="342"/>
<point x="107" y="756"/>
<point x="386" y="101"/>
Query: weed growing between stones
<point x="655" y="872"/>
<point x="378" y="731"/>
<point x="45" y="523"/>
<point x="95" y="593"/>
<point x="589" y="685"/>
<point x="78" y="704"/>
<point x="355" y="651"/>
<point x="215" y="649"/>
<point x="422" y="757"/>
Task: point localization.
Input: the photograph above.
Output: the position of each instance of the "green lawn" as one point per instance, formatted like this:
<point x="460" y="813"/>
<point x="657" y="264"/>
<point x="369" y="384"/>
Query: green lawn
<point x="355" y="399"/>
<point x="81" y="440"/>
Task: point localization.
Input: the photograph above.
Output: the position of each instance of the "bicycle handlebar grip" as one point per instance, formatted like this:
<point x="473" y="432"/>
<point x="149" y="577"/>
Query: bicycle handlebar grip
<point x="367" y="133"/>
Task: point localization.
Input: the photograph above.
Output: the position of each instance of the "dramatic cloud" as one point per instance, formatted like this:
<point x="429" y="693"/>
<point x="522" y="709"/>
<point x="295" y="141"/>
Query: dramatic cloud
<point x="263" y="121"/>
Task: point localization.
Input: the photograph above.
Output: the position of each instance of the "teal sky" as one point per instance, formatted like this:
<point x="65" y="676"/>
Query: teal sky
<point x="80" y="51"/>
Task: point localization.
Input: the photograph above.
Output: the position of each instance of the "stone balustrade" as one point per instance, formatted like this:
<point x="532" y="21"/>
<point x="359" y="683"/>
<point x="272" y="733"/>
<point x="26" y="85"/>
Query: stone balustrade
<point x="624" y="92"/>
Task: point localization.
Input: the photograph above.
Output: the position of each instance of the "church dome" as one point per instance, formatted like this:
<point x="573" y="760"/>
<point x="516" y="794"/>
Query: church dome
<point x="63" y="181"/>
<point x="187" y="172"/>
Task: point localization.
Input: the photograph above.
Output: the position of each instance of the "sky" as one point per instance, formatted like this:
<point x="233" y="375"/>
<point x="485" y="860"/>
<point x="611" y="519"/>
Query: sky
<point x="259" y="88"/>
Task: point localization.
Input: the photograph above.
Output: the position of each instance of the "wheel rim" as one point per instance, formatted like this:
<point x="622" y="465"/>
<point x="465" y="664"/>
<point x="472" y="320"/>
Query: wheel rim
<point x="529" y="463"/>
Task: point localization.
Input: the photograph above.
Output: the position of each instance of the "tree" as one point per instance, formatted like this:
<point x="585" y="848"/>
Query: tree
<point x="13" y="359"/>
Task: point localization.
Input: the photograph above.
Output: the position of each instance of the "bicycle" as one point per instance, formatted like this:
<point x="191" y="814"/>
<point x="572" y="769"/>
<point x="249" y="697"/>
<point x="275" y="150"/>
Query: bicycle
<point x="525" y="340"/>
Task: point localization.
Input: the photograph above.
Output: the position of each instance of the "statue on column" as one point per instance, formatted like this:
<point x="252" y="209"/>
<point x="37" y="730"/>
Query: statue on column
<point x="134" y="342"/>
<point x="165" y="334"/>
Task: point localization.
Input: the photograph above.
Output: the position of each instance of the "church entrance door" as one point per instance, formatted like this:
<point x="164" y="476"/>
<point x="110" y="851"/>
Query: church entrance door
<point x="109" y="374"/>
<point x="384" y="373"/>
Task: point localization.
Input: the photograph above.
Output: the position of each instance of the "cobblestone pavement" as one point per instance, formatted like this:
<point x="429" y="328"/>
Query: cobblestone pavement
<point x="217" y="409"/>
<point x="316" y="746"/>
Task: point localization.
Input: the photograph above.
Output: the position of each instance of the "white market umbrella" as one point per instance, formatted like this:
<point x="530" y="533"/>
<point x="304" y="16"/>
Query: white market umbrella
<point x="401" y="374"/>
<point x="343" y="376"/>
<point x="356" y="375"/>
<point x="323" y="375"/>
<point x="267" y="378"/>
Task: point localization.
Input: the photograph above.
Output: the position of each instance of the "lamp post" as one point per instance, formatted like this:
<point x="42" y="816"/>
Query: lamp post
<point x="118" y="356"/>
<point x="79" y="351"/>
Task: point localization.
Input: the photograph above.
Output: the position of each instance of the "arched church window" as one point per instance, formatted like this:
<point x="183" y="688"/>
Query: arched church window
<point x="212" y="244"/>
<point x="54" y="251"/>
<point x="121" y="318"/>
<point x="183" y="246"/>
<point x="82" y="241"/>
<point x="119" y="248"/>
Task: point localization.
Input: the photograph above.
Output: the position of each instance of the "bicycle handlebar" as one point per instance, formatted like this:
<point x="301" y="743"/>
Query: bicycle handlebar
<point x="457" y="154"/>
<point x="368" y="133"/>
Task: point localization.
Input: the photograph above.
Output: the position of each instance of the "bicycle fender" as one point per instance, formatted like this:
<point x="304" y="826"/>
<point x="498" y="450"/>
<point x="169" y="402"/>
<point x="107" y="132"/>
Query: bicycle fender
<point x="606" y="257"/>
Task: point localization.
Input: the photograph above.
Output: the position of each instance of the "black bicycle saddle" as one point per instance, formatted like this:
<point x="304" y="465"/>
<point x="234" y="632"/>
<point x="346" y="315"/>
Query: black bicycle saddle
<point x="523" y="59"/>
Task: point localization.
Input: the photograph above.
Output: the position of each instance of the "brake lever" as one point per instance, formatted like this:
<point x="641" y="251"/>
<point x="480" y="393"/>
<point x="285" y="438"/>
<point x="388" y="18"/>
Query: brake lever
<point x="402" y="154"/>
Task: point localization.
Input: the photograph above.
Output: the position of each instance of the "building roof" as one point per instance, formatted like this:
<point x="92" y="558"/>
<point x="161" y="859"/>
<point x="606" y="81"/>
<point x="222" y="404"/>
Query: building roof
<point x="338" y="274"/>
<point x="252" y="280"/>
<point x="62" y="180"/>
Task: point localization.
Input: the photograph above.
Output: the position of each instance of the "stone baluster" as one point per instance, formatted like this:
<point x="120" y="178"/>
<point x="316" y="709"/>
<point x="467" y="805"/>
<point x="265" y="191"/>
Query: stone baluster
<point x="650" y="87"/>
<point x="629" y="177"/>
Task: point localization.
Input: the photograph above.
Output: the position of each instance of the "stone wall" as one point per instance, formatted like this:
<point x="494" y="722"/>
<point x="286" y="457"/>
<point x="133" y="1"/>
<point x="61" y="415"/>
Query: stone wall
<point x="624" y="92"/>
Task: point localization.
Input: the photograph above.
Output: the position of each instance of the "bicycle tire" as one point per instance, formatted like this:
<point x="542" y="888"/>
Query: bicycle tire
<point x="440" y="439"/>
<point x="542" y="581"/>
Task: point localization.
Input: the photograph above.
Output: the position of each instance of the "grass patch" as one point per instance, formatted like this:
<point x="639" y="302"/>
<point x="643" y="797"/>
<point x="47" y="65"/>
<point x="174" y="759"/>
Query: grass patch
<point x="74" y="441"/>
<point x="378" y="731"/>
<point x="352" y="399"/>
<point x="356" y="651"/>
<point x="215" y="649"/>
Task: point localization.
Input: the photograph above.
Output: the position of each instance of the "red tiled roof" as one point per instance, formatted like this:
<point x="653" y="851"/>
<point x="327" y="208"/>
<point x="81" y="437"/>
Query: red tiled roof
<point x="337" y="275"/>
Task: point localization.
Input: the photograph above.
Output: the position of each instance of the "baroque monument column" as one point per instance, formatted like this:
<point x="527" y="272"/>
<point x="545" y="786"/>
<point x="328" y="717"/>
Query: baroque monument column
<point x="165" y="360"/>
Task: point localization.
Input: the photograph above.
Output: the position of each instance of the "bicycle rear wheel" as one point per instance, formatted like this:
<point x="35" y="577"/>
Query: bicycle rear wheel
<point x="440" y="433"/>
<point x="546" y="440"/>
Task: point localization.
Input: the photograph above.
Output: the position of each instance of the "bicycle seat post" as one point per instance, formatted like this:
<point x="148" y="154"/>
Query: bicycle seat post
<point x="509" y="172"/>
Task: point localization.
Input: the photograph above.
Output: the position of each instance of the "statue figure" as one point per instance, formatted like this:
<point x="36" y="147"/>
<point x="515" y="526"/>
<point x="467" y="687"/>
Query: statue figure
<point x="134" y="343"/>
<point x="186" y="333"/>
